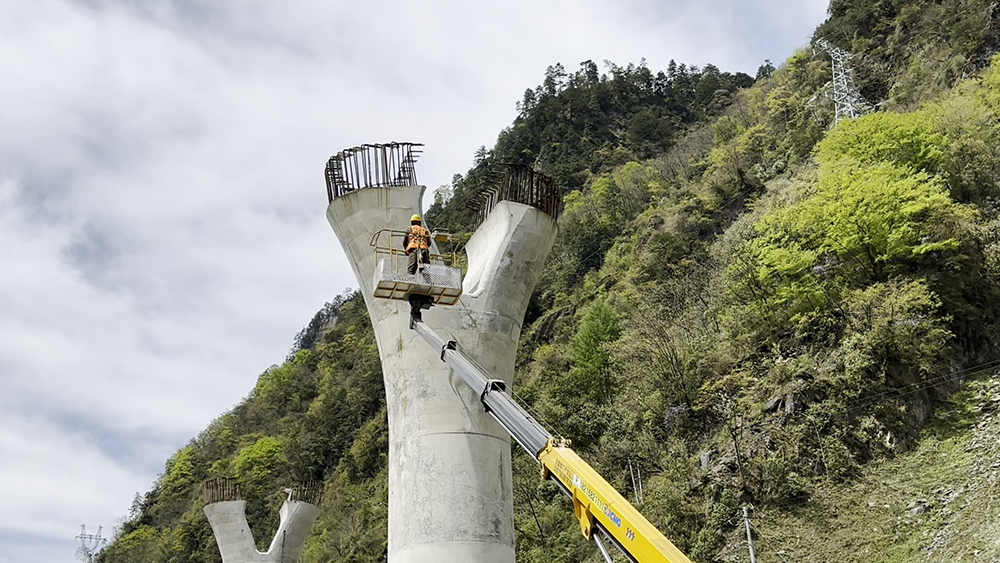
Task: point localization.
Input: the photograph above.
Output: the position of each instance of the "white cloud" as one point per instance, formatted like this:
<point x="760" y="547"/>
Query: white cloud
<point x="55" y="478"/>
<point x="162" y="231"/>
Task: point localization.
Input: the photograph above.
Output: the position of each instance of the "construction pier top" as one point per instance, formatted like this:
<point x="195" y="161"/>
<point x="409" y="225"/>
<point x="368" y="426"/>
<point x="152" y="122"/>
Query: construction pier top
<point x="226" y="512"/>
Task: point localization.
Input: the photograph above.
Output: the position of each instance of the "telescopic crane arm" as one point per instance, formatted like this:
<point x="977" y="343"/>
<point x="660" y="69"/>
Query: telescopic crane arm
<point x="603" y="513"/>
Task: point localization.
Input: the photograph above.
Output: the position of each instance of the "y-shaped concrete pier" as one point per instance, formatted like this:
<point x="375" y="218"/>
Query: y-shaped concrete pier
<point x="450" y="496"/>
<point x="232" y="532"/>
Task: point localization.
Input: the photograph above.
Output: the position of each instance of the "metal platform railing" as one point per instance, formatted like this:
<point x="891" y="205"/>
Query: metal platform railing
<point x="439" y="280"/>
<point x="388" y="244"/>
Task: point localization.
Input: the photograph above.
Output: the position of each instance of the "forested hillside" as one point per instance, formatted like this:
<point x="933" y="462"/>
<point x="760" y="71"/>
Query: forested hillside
<point x="745" y="304"/>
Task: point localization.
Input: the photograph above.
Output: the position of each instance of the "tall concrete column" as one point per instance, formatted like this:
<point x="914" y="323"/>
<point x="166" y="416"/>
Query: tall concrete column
<point x="450" y="497"/>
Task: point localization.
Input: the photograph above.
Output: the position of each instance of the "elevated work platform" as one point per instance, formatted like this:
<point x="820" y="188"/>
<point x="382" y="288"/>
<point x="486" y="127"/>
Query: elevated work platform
<point x="438" y="280"/>
<point x="442" y="284"/>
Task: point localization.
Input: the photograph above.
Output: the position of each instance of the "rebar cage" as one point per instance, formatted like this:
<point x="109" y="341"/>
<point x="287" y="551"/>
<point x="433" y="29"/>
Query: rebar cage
<point x="222" y="489"/>
<point x="310" y="491"/>
<point x="520" y="184"/>
<point x="225" y="489"/>
<point x="372" y="166"/>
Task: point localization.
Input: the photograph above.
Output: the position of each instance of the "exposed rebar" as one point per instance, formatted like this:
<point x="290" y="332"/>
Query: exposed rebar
<point x="311" y="492"/>
<point x="225" y="489"/>
<point x="519" y="184"/>
<point x="222" y="489"/>
<point x="372" y="166"/>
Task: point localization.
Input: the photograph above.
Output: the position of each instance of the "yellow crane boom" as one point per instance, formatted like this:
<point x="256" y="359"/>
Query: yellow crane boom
<point x="597" y="504"/>
<point x="601" y="511"/>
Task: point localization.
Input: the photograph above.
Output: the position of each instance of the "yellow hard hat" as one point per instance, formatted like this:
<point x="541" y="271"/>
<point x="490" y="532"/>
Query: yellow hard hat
<point x="415" y="218"/>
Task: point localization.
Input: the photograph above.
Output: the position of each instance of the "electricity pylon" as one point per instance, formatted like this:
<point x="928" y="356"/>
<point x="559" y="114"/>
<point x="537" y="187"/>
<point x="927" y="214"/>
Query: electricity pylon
<point x="842" y="90"/>
<point x="90" y="544"/>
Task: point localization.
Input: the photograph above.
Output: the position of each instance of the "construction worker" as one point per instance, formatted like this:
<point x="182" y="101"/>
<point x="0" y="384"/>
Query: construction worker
<point x="417" y="243"/>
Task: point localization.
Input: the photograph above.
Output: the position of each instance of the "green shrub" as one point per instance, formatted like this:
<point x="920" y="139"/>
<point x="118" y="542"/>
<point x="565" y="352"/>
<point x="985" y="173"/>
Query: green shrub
<point x="908" y="140"/>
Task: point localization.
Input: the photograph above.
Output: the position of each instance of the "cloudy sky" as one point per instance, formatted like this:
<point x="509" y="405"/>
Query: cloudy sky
<point x="162" y="230"/>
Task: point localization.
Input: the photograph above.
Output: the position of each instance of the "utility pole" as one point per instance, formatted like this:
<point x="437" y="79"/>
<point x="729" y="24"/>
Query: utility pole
<point x="746" y="522"/>
<point x="636" y="483"/>
<point x="90" y="544"/>
<point x="846" y="96"/>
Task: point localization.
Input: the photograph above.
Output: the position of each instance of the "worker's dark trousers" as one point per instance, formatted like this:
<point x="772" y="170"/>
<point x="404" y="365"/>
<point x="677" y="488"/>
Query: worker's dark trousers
<point x="424" y="256"/>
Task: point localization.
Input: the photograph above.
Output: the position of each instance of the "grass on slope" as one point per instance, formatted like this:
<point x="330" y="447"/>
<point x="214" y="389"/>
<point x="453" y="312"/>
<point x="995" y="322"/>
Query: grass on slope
<point x="939" y="502"/>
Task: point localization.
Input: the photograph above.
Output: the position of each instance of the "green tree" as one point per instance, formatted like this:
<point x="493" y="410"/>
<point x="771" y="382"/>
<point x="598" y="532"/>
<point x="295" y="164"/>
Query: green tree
<point x="260" y="461"/>
<point x="904" y="140"/>
<point x="145" y="544"/>
<point x="591" y="380"/>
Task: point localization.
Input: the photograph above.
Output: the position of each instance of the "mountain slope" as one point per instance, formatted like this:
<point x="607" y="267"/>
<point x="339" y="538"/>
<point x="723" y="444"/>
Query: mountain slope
<point x="935" y="503"/>
<point x="732" y="284"/>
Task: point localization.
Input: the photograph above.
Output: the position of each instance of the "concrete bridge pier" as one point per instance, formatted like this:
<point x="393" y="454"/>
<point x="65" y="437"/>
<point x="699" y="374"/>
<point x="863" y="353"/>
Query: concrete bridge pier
<point x="450" y="485"/>
<point x="236" y="543"/>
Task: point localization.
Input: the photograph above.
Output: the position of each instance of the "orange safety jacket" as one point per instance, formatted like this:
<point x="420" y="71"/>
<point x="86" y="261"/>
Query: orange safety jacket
<point x="417" y="237"/>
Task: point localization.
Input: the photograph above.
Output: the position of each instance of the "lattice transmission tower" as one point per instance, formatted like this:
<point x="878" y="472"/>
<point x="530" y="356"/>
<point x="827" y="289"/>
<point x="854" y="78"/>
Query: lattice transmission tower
<point x="90" y="544"/>
<point x="842" y="90"/>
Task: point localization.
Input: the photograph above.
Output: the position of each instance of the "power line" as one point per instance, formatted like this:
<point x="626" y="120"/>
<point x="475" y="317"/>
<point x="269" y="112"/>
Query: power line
<point x="927" y="383"/>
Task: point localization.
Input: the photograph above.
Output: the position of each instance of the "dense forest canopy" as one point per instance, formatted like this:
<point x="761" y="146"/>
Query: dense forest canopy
<point x="735" y="282"/>
<point x="578" y="124"/>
